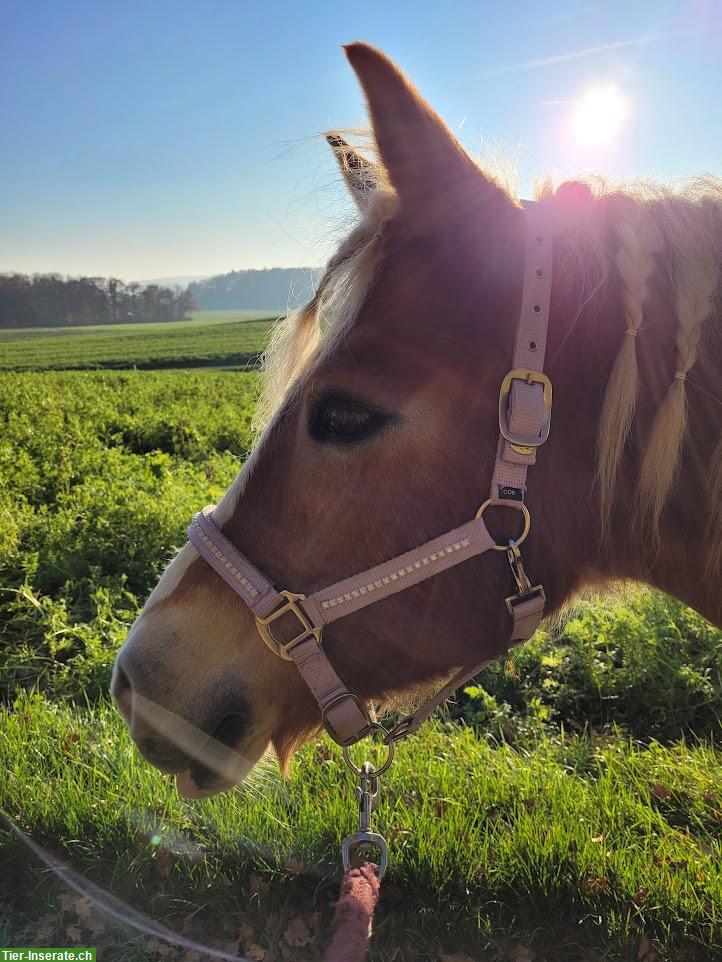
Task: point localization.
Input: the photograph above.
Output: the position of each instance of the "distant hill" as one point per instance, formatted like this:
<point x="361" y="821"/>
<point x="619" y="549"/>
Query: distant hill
<point x="274" y="289"/>
<point x="179" y="281"/>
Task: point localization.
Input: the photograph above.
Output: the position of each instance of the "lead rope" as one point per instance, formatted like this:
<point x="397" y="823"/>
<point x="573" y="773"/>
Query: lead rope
<point x="360" y="888"/>
<point x="353" y="916"/>
<point x="354" y="912"/>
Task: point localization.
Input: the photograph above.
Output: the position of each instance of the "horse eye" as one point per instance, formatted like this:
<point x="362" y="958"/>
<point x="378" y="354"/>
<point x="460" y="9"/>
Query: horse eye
<point x="340" y="420"/>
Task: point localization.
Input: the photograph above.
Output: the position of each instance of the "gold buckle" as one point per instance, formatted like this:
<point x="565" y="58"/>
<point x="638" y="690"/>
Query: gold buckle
<point x="308" y="629"/>
<point x="518" y="441"/>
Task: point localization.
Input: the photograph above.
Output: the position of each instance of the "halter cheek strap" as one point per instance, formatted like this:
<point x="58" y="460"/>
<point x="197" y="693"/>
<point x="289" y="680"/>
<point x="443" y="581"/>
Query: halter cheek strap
<point x="292" y="624"/>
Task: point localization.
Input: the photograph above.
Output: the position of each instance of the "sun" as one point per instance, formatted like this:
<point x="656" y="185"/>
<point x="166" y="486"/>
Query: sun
<point x="599" y="116"/>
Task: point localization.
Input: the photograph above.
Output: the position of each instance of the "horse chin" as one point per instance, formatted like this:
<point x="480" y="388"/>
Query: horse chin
<point x="288" y="740"/>
<point x="201" y="781"/>
<point x="191" y="784"/>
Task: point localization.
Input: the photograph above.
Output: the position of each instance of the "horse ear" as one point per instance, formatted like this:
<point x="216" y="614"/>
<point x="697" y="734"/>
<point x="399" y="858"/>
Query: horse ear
<point x="360" y="174"/>
<point x="421" y="155"/>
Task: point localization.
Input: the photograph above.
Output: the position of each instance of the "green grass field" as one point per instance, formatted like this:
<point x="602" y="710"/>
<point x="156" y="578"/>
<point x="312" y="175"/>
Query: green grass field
<point x="567" y="808"/>
<point x="211" y="338"/>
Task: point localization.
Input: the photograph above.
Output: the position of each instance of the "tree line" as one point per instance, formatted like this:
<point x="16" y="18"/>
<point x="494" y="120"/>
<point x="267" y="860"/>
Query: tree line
<point x="272" y="289"/>
<point x="49" y="300"/>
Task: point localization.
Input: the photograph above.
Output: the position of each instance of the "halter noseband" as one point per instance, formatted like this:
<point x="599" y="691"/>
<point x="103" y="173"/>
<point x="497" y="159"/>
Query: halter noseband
<point x="292" y="624"/>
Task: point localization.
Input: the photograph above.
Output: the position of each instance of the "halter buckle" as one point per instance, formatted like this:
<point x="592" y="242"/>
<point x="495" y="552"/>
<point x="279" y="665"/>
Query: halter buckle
<point x="291" y="606"/>
<point x="361" y="733"/>
<point x="519" y="440"/>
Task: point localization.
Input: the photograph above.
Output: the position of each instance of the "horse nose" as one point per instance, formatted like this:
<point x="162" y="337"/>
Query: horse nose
<point x="128" y="700"/>
<point x="144" y="718"/>
<point x="121" y="692"/>
<point x="167" y="739"/>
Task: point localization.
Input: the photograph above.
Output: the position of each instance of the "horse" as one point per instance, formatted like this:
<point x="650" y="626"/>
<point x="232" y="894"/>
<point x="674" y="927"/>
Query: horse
<point x="378" y="432"/>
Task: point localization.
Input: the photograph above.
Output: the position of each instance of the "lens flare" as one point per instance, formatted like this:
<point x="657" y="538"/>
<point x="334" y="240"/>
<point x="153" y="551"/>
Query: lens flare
<point x="599" y="116"/>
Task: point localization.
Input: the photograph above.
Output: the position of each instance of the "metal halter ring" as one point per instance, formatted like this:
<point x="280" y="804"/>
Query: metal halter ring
<point x="505" y="504"/>
<point x="374" y="772"/>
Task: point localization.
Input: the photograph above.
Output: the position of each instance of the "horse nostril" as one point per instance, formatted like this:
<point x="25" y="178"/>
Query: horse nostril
<point x="122" y="693"/>
<point x="231" y="728"/>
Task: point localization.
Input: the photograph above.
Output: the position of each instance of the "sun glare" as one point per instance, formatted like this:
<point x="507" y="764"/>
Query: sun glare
<point x="599" y="116"/>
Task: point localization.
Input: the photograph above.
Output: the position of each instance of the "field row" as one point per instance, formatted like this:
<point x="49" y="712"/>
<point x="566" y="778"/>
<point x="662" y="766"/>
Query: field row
<point x="144" y="346"/>
<point x="199" y="318"/>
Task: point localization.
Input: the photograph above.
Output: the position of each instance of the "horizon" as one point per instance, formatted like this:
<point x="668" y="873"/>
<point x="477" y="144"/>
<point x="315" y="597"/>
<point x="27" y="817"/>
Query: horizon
<point x="140" y="153"/>
<point x="182" y="280"/>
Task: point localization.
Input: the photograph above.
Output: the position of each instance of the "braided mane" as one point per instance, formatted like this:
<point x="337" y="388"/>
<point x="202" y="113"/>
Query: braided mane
<point x="657" y="234"/>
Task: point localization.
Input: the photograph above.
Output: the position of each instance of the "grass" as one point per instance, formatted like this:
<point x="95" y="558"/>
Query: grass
<point x="604" y="840"/>
<point x="213" y="338"/>
<point x="573" y="810"/>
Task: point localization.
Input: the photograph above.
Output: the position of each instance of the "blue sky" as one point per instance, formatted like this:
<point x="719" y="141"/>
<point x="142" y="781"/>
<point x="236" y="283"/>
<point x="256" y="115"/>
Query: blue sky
<point x="155" y="139"/>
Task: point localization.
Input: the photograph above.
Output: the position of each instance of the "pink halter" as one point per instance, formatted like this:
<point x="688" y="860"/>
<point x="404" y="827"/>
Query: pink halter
<point x="292" y="624"/>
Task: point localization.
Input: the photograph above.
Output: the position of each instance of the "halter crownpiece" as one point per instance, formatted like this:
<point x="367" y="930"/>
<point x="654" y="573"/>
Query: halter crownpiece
<point x="292" y="624"/>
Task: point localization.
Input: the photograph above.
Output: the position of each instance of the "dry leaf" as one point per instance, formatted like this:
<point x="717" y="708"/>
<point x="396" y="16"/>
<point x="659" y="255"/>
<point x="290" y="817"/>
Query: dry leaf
<point x="67" y="902"/>
<point x="257" y="883"/>
<point x="67" y="741"/>
<point x="165" y="949"/>
<point x="84" y="908"/>
<point x="255" y="952"/>
<point x="595" y="886"/>
<point x="74" y="934"/>
<point x="639" y="896"/>
<point x="245" y="933"/>
<point x="46" y="929"/>
<point x="297" y="932"/>
<point x="661" y="791"/>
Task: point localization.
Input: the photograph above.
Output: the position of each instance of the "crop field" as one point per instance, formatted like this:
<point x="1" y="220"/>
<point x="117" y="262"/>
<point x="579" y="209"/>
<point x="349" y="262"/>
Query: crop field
<point x="211" y="338"/>
<point x="566" y="808"/>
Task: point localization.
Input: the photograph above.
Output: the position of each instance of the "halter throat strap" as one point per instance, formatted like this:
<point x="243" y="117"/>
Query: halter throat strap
<point x="292" y="624"/>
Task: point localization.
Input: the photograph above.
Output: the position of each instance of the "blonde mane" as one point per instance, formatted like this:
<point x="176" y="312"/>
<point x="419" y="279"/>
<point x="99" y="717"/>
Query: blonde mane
<point x="660" y="233"/>
<point x="304" y="336"/>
